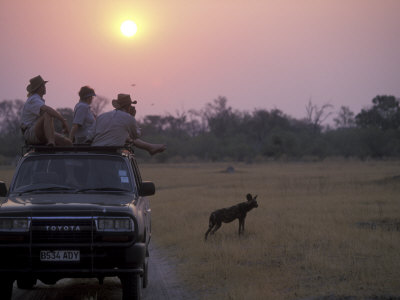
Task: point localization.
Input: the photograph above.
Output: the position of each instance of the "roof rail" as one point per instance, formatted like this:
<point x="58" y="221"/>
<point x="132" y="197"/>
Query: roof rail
<point x="77" y="148"/>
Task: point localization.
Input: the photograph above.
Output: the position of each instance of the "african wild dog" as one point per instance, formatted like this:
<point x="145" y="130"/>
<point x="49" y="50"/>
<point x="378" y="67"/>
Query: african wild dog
<point x="227" y="215"/>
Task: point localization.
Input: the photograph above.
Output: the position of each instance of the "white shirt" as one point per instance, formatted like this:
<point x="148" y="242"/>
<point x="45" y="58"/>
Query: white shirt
<point x="113" y="129"/>
<point x="31" y="110"/>
<point x="84" y="117"/>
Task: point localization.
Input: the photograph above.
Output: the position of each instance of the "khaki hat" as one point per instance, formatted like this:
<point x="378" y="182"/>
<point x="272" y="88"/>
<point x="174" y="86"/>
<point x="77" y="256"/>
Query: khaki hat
<point x="122" y="101"/>
<point x="35" y="83"/>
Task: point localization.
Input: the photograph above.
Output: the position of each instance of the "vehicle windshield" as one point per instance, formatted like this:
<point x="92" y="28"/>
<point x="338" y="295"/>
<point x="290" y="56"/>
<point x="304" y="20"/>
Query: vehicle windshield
<point x="74" y="174"/>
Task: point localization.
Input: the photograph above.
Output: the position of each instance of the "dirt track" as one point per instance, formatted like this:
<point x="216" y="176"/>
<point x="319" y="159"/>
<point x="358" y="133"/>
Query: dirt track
<point x="162" y="285"/>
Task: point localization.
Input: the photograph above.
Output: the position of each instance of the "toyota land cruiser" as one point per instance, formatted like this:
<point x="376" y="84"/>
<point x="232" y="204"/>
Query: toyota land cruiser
<point x="75" y="212"/>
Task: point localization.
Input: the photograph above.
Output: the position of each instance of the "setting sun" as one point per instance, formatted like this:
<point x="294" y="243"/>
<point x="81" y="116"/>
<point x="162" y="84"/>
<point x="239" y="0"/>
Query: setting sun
<point x="128" y="28"/>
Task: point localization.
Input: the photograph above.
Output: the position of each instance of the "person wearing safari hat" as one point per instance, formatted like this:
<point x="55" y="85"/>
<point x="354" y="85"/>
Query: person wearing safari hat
<point x="117" y="127"/>
<point x="83" y="116"/>
<point x="37" y="123"/>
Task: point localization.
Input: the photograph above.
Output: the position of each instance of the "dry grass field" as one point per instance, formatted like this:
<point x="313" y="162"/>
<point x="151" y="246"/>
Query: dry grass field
<point x="6" y="174"/>
<point x="322" y="229"/>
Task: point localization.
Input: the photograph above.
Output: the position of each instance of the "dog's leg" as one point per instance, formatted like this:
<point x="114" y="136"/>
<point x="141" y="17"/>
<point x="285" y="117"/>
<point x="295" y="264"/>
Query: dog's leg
<point x="240" y="225"/>
<point x="217" y="226"/>
<point x="211" y="224"/>
<point x="208" y="231"/>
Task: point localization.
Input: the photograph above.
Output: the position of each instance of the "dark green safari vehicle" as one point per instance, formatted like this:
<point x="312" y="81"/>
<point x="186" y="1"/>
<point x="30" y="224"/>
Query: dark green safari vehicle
<point x="75" y="212"/>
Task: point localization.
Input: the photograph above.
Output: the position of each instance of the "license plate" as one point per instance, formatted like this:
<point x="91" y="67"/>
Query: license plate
<point x="60" y="255"/>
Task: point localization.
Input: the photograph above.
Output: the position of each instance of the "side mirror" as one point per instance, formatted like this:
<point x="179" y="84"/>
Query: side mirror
<point x="147" y="188"/>
<point x="3" y="189"/>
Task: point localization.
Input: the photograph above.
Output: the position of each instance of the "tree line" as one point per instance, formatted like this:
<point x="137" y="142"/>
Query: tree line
<point x="218" y="132"/>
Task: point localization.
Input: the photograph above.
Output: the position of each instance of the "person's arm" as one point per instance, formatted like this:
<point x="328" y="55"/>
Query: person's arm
<point x="91" y="133"/>
<point x="74" y="128"/>
<point x="133" y="129"/>
<point x="80" y="114"/>
<point x="55" y="114"/>
<point x="132" y="111"/>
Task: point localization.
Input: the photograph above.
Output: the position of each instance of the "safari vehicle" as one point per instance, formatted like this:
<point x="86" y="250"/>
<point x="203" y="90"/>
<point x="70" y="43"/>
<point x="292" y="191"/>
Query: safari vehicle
<point x="75" y="212"/>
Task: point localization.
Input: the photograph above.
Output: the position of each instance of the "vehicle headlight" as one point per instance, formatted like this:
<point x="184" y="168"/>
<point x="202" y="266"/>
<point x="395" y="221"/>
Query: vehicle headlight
<point x="115" y="224"/>
<point x="14" y="224"/>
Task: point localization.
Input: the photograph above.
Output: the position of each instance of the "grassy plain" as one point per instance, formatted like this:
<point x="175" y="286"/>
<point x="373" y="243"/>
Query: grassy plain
<point x="321" y="229"/>
<point x="6" y="174"/>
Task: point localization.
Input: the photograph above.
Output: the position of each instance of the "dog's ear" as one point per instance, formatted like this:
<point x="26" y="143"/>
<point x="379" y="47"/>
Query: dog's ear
<point x="249" y="197"/>
<point x="255" y="197"/>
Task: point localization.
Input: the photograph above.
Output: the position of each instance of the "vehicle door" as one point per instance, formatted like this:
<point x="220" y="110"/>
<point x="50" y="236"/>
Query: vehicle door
<point x="143" y="202"/>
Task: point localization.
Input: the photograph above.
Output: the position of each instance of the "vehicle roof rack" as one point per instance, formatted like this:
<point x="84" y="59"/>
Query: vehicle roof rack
<point x="77" y="148"/>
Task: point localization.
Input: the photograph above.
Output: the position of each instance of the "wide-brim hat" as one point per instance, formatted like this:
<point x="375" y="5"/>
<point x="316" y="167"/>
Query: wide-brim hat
<point x="122" y="101"/>
<point x="35" y="83"/>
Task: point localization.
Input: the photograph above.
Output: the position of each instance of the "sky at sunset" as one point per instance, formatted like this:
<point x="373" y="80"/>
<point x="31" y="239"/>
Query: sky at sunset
<point x="259" y="54"/>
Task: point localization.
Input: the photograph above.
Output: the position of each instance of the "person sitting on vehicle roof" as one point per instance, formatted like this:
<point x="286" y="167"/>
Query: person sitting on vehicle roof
<point x="117" y="127"/>
<point x="84" y="118"/>
<point x="37" y="119"/>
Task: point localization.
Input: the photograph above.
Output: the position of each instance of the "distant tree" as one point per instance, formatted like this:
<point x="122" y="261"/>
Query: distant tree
<point x="10" y="132"/>
<point x="151" y="124"/>
<point x="175" y="123"/>
<point x="218" y="132"/>
<point x="68" y="114"/>
<point x="217" y="107"/>
<point x="98" y="105"/>
<point x="198" y="121"/>
<point x="345" y="118"/>
<point x="221" y="118"/>
<point x="10" y="113"/>
<point x="194" y="124"/>
<point x="260" y="125"/>
<point x="384" y="114"/>
<point x="316" y="115"/>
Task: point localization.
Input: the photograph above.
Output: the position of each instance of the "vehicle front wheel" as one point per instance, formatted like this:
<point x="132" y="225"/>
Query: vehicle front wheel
<point x="131" y="286"/>
<point x="26" y="283"/>
<point x="6" y="287"/>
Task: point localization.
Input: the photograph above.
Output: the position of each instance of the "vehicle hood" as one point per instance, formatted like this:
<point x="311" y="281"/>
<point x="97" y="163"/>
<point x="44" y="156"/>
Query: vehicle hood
<point x="38" y="201"/>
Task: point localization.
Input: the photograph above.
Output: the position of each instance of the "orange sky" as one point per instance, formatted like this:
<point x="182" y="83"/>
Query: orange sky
<point x="257" y="53"/>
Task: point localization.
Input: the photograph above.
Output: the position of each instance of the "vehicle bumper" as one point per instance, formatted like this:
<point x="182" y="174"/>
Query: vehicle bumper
<point x="94" y="261"/>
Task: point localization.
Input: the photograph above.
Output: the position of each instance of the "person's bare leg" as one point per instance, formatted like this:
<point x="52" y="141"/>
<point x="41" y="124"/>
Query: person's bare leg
<point x="44" y="129"/>
<point x="48" y="128"/>
<point x="45" y="132"/>
<point x="39" y="129"/>
<point x="151" y="148"/>
<point x="62" y="140"/>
